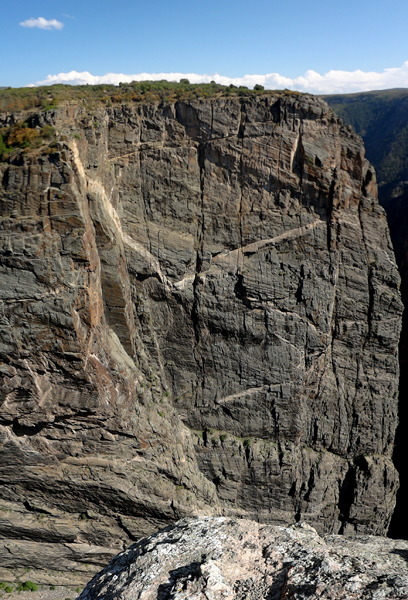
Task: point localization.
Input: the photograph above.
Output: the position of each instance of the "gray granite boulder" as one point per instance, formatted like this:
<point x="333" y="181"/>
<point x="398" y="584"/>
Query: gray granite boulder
<point x="227" y="559"/>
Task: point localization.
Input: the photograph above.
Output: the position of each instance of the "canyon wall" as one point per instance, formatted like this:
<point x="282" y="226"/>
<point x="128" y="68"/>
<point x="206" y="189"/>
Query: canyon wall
<point x="381" y="118"/>
<point x="200" y="314"/>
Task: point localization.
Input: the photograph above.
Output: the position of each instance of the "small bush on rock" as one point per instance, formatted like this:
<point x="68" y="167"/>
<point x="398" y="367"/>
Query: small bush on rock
<point x="27" y="586"/>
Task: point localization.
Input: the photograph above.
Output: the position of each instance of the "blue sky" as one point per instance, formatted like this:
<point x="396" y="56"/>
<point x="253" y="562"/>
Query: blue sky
<point x="311" y="45"/>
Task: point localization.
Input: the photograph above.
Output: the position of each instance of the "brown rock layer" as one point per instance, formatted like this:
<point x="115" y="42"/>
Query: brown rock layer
<point x="199" y="312"/>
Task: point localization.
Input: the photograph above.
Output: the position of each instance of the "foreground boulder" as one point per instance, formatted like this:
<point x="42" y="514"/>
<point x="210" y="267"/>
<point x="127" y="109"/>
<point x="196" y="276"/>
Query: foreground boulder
<point x="225" y="559"/>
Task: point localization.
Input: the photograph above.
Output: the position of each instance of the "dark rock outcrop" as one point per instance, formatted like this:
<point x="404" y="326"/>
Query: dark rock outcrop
<point x="223" y="558"/>
<point x="199" y="314"/>
<point x="381" y="118"/>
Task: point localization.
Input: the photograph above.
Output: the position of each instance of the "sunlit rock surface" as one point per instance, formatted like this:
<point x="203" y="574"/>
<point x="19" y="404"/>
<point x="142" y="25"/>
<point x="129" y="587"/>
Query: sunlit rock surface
<point x="226" y="559"/>
<point x="199" y="315"/>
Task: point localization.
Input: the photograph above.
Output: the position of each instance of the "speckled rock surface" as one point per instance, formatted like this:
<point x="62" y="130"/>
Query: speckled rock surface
<point x="225" y="559"/>
<point x="199" y="314"/>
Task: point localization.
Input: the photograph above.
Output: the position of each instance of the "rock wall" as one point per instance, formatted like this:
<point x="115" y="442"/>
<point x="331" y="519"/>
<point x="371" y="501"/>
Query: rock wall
<point x="395" y="201"/>
<point x="380" y="117"/>
<point x="199" y="314"/>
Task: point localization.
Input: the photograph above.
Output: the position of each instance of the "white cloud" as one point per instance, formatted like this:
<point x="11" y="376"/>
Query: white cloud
<point x="332" y="82"/>
<point x="42" y="23"/>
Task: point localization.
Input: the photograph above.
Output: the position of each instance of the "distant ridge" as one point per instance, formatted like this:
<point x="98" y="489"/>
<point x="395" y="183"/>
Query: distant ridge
<point x="381" y="118"/>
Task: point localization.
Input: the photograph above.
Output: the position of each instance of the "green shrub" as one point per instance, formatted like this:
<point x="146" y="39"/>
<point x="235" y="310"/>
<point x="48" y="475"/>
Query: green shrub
<point x="3" y="145"/>
<point x="48" y="131"/>
<point x="49" y="105"/>
<point x="27" y="586"/>
<point x="33" y="587"/>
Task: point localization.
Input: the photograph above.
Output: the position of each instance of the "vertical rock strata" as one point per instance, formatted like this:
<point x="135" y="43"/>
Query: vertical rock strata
<point x="199" y="314"/>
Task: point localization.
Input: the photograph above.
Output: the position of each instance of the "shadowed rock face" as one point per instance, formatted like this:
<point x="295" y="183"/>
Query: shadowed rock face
<point x="380" y="117"/>
<point x="199" y="313"/>
<point x="222" y="558"/>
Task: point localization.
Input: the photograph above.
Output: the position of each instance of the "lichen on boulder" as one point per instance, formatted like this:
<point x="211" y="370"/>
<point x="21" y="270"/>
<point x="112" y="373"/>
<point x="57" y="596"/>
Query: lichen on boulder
<point x="228" y="559"/>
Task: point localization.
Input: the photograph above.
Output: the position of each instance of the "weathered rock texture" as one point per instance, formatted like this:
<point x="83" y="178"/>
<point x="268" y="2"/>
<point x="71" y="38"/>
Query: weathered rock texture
<point x="396" y="206"/>
<point x="225" y="559"/>
<point x="381" y="117"/>
<point x="199" y="313"/>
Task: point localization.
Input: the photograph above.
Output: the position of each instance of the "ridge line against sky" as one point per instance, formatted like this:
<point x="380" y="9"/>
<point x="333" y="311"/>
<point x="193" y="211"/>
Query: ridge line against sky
<point x="332" y="82"/>
<point x="318" y="46"/>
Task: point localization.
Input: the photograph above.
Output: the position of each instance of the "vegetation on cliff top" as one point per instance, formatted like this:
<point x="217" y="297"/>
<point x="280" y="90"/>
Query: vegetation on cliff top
<point x="49" y="97"/>
<point x="23" y="136"/>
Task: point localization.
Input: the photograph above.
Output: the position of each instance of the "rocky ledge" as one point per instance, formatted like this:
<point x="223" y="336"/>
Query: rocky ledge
<point x="225" y="559"/>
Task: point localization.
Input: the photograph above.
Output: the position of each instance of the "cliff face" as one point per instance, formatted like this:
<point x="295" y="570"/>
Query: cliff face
<point x="200" y="313"/>
<point x="381" y="119"/>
